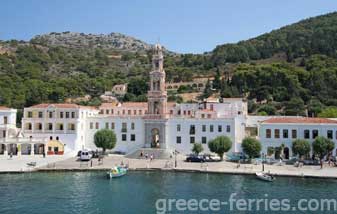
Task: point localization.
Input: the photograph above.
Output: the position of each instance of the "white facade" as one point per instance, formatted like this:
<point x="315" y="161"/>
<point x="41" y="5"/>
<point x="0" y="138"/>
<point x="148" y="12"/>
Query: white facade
<point x="64" y="123"/>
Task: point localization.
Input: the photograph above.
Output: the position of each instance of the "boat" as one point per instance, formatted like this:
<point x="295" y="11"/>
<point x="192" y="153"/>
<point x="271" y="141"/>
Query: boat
<point x="117" y="171"/>
<point x="265" y="176"/>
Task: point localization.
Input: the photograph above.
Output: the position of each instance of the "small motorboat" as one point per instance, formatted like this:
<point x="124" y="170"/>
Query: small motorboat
<point x="116" y="172"/>
<point x="265" y="176"/>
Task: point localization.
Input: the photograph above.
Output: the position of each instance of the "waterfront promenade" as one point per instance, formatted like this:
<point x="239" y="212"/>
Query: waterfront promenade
<point x="214" y="167"/>
<point x="19" y="164"/>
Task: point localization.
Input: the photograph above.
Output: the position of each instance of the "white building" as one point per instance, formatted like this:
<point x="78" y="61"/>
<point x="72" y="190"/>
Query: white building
<point x="157" y="124"/>
<point x="63" y="125"/>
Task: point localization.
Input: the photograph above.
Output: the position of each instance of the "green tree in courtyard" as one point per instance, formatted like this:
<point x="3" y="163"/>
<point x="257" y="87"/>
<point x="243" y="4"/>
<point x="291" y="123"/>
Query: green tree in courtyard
<point x="301" y="147"/>
<point x="322" y="146"/>
<point x="105" y="139"/>
<point x="220" y="145"/>
<point x="251" y="147"/>
<point x="197" y="148"/>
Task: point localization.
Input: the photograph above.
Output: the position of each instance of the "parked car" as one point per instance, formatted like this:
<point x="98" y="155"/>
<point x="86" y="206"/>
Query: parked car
<point x="195" y="158"/>
<point x="86" y="155"/>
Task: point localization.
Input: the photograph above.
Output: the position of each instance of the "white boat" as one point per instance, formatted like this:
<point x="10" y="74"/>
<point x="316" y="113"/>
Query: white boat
<point x="265" y="176"/>
<point x="117" y="172"/>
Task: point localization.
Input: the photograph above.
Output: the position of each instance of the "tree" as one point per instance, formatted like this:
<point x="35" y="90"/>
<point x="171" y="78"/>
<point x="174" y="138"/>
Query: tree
<point x="270" y="151"/>
<point x="105" y="139"/>
<point x="251" y="147"/>
<point x="197" y="148"/>
<point x="329" y="112"/>
<point x="322" y="146"/>
<point x="301" y="147"/>
<point x="220" y="145"/>
<point x="295" y="107"/>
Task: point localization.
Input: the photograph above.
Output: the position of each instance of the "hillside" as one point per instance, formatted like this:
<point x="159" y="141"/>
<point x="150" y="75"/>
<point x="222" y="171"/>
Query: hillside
<point x="292" y="70"/>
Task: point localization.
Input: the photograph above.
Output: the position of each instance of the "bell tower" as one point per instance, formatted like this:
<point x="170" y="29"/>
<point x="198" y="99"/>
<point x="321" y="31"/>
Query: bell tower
<point x="155" y="121"/>
<point x="157" y="95"/>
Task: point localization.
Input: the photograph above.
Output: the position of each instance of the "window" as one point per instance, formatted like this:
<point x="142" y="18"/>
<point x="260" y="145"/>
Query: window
<point x="268" y="133"/>
<point x="294" y="133"/>
<point x="192" y="139"/>
<point x="129" y="112"/>
<point x="133" y="137"/>
<point x="204" y="140"/>
<point x="67" y="114"/>
<point x="228" y="128"/>
<point x="178" y="140"/>
<point x="72" y="114"/>
<point x="4" y="134"/>
<point x="219" y="128"/>
<point x="203" y="128"/>
<point x="329" y="134"/>
<point x="178" y="128"/>
<point x="192" y="129"/>
<point x="30" y="114"/>
<point x="132" y="126"/>
<point x="285" y="133"/>
<point x="135" y="112"/>
<point x="72" y="127"/>
<point x="61" y="114"/>
<point x="211" y="128"/>
<point x="276" y="133"/>
<point x="61" y="127"/>
<point x="123" y="137"/>
<point x="140" y="112"/>
<point x="314" y="133"/>
<point x="112" y="125"/>
<point x="51" y="138"/>
<point x="124" y="127"/>
<point x="101" y="111"/>
<point x="306" y="134"/>
<point x="39" y="126"/>
<point x="107" y="125"/>
<point x="112" y="111"/>
<point x="5" y="120"/>
<point x="40" y="114"/>
<point x="91" y="125"/>
<point x="50" y="114"/>
<point x="50" y="126"/>
<point x="202" y="115"/>
<point x="107" y="111"/>
<point x="97" y="125"/>
<point x="57" y="138"/>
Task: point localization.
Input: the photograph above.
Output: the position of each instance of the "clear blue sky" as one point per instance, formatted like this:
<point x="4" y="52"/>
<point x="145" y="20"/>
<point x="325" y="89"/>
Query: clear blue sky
<point x="182" y="25"/>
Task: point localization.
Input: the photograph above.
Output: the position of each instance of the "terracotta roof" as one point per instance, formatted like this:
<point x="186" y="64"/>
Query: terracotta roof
<point x="4" y="108"/>
<point x="61" y="105"/>
<point x="306" y="120"/>
<point x="171" y="104"/>
<point x="126" y="104"/>
<point x="134" y="104"/>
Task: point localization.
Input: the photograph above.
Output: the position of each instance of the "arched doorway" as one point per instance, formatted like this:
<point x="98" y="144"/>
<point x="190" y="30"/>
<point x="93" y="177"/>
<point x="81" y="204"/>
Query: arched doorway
<point x="2" y="149"/>
<point x="155" y="138"/>
<point x="12" y="149"/>
<point x="286" y="153"/>
<point x="39" y="148"/>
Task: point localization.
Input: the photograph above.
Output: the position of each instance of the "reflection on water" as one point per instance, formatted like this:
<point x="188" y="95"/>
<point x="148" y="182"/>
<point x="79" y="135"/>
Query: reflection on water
<point x="91" y="192"/>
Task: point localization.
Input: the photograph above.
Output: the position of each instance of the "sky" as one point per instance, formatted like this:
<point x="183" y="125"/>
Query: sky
<point x="185" y="26"/>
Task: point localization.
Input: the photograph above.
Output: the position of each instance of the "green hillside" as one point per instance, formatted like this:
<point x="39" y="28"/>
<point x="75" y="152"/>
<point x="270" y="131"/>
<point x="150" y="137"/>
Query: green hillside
<point x="289" y="71"/>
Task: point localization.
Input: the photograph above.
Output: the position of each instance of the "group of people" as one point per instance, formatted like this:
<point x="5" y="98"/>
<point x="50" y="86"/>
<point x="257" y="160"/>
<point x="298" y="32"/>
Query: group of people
<point x="146" y="155"/>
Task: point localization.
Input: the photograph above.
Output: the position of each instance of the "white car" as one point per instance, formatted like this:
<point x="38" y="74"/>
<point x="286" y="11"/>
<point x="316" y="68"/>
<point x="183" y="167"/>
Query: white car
<point x="86" y="155"/>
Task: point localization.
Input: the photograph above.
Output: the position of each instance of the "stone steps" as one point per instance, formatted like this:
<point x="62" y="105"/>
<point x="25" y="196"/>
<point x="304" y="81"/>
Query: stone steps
<point x="157" y="153"/>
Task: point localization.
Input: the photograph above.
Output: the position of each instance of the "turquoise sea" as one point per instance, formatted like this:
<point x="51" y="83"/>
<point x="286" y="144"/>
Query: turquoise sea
<point x="138" y="192"/>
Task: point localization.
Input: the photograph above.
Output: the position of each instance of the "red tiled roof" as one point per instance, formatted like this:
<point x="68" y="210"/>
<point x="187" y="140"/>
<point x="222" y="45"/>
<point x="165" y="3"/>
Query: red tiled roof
<point x="171" y="104"/>
<point x="61" y="105"/>
<point x="126" y="104"/>
<point x="306" y="120"/>
<point x="4" y="108"/>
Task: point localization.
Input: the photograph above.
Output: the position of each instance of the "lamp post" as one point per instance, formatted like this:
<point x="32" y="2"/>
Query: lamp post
<point x="263" y="158"/>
